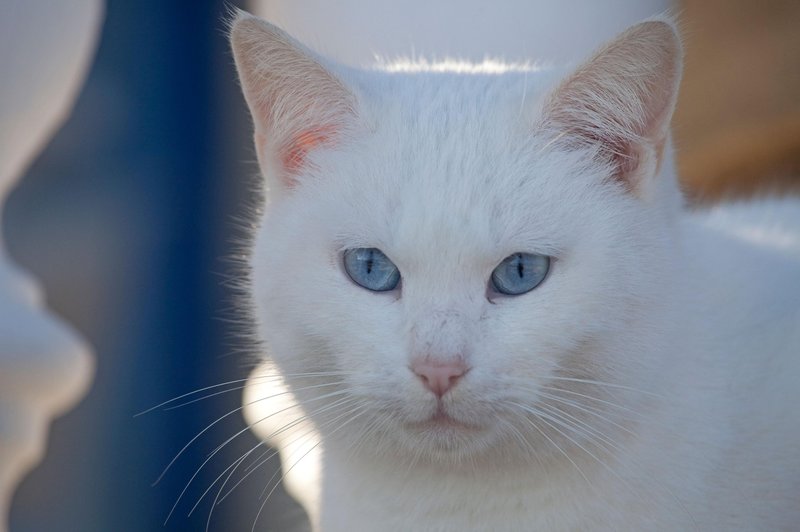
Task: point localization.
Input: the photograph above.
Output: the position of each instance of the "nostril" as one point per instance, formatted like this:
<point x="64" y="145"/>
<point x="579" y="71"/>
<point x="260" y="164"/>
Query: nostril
<point x="439" y="377"/>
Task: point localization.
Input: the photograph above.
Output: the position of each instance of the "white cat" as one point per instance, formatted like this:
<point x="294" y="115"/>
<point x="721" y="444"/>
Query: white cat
<point x="483" y="290"/>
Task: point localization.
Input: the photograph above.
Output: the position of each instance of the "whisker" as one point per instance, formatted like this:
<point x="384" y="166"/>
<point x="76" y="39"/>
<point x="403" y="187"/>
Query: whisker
<point x="595" y="399"/>
<point x="580" y="426"/>
<point x="554" y="444"/>
<point x="216" y="500"/>
<point x="235" y="463"/>
<point x="547" y="418"/>
<point x="219" y="419"/>
<point x="377" y="423"/>
<point x="607" y="384"/>
<point x="200" y="390"/>
<point x="220" y="447"/>
<point x="292" y="424"/>
<point x="257" y="459"/>
<point x="306" y="417"/>
<point x="272" y="452"/>
<point x="252" y="468"/>
<point x="524" y="444"/>
<point x="203" y="398"/>
<point x="327" y="423"/>
<point x="275" y="376"/>
<point x="601" y="444"/>
<point x="263" y="504"/>
<point x="590" y="411"/>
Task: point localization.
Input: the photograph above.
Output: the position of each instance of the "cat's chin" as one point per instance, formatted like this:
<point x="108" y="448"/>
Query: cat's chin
<point x="443" y="436"/>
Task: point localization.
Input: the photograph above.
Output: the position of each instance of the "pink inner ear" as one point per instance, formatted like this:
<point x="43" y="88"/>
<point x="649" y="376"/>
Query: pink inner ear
<point x="620" y="152"/>
<point x="294" y="155"/>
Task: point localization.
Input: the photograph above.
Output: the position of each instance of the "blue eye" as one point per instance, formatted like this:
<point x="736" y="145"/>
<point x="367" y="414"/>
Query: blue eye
<point x="370" y="268"/>
<point x="520" y="273"/>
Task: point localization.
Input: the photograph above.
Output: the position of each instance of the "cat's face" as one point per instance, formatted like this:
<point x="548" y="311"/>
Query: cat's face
<point x="460" y="184"/>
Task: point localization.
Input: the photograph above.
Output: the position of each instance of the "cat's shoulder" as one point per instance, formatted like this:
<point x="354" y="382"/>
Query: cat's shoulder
<point x="768" y="222"/>
<point x="744" y="259"/>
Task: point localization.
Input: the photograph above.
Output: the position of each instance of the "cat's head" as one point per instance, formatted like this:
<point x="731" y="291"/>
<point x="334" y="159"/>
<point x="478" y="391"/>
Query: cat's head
<point x="455" y="262"/>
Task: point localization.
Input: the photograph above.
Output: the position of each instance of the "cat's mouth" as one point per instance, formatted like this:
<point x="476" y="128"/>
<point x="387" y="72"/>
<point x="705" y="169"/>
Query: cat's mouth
<point x="441" y="420"/>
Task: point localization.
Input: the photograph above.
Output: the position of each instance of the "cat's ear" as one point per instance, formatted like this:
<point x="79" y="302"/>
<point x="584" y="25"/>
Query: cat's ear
<point x="296" y="103"/>
<point x="620" y="102"/>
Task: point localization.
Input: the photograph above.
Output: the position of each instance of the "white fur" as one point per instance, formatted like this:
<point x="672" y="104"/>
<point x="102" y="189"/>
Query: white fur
<point x="684" y="328"/>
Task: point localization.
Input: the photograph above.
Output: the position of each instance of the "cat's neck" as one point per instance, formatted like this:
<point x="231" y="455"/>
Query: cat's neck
<point x="520" y="495"/>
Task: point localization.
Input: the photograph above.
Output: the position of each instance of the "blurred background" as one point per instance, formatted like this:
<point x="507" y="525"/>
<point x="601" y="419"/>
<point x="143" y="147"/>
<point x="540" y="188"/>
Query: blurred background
<point x="131" y="219"/>
<point x="133" y="215"/>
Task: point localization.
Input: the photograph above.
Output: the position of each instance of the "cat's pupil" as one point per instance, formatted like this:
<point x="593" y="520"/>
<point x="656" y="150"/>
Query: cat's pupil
<point x="520" y="267"/>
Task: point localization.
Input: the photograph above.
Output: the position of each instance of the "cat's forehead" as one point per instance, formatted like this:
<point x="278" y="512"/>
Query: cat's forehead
<point x="453" y="161"/>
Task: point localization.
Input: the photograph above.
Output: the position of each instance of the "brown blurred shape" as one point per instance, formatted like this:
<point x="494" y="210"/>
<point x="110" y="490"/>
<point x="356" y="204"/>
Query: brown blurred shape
<point x="737" y="127"/>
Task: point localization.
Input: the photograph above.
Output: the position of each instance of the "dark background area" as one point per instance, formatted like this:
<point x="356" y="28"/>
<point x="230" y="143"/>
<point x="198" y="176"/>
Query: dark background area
<point x="130" y="219"/>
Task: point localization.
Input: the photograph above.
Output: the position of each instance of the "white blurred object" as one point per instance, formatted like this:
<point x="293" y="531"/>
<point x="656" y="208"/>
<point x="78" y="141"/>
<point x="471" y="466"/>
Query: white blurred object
<point x="354" y="32"/>
<point x="46" y="47"/>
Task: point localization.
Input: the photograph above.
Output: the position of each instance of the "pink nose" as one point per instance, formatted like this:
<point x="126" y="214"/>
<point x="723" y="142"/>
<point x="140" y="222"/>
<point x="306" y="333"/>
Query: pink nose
<point x="439" y="377"/>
